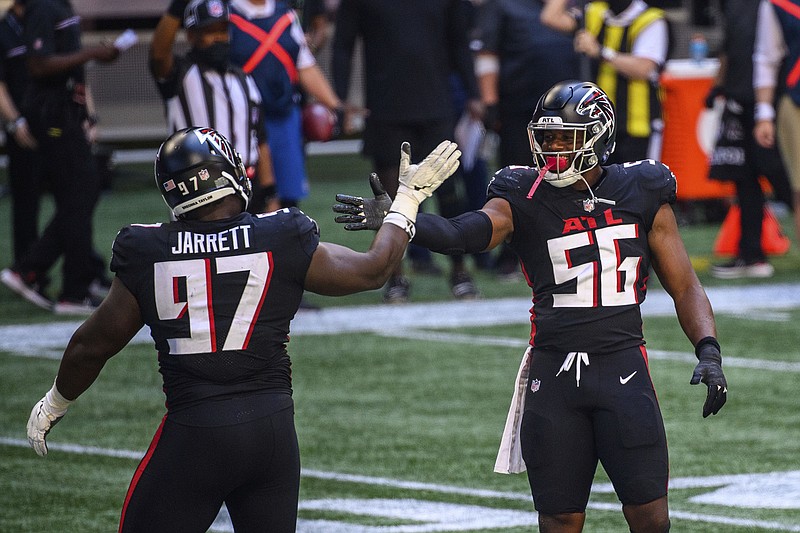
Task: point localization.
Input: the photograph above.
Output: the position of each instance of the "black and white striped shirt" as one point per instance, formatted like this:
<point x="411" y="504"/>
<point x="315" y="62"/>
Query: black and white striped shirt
<point x="196" y="95"/>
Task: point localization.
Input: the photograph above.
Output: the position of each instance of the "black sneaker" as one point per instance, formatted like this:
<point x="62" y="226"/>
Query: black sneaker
<point x="77" y="306"/>
<point x="462" y="286"/>
<point x="396" y="290"/>
<point x="739" y="268"/>
<point x="27" y="287"/>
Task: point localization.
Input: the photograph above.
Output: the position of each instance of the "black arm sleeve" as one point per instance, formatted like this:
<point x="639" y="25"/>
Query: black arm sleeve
<point x="468" y="233"/>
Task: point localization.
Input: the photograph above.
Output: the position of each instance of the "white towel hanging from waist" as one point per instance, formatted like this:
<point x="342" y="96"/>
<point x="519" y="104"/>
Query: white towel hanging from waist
<point x="509" y="457"/>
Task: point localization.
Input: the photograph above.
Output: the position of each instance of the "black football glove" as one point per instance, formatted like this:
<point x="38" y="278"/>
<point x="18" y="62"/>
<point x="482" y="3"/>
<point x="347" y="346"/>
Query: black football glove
<point x="363" y="213"/>
<point x="713" y="93"/>
<point x="709" y="371"/>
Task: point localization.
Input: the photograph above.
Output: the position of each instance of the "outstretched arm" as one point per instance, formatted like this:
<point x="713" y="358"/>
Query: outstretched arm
<point x="337" y="270"/>
<point x="471" y="232"/>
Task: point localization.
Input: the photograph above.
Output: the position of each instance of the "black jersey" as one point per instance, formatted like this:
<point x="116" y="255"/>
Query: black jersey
<point x="53" y="28"/>
<point x="588" y="286"/>
<point x="13" y="70"/>
<point x="218" y="297"/>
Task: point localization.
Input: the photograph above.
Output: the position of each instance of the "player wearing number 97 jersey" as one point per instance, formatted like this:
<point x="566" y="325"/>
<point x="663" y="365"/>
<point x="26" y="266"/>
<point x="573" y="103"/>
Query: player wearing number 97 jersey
<point x="218" y="288"/>
<point x="229" y="288"/>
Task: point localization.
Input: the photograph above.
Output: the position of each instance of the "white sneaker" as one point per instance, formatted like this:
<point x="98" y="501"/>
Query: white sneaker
<point x="29" y="291"/>
<point x="739" y="268"/>
<point x="760" y="269"/>
<point x="83" y="307"/>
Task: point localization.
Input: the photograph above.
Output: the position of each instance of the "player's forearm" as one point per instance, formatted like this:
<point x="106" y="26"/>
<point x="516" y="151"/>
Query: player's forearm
<point x="79" y="368"/>
<point x="695" y="314"/>
<point x="467" y="233"/>
<point x="385" y="254"/>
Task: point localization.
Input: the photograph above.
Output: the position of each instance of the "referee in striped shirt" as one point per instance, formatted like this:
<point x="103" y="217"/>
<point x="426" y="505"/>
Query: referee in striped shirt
<point x="202" y="88"/>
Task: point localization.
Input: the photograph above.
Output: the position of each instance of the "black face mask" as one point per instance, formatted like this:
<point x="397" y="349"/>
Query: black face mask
<point x="216" y="56"/>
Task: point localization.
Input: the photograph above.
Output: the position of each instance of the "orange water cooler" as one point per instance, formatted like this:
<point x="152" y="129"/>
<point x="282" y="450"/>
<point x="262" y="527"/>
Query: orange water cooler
<point x="690" y="129"/>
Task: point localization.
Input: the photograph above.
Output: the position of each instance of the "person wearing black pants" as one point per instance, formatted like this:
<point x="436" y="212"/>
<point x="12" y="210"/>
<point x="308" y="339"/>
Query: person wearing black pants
<point x="737" y="157"/>
<point x="55" y="107"/>
<point x="23" y="161"/>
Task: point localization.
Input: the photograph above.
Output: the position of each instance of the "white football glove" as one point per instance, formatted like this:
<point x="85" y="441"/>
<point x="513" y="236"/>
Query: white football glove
<point x="418" y="182"/>
<point x="44" y="415"/>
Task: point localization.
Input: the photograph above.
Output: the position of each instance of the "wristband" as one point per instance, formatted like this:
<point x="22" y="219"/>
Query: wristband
<point x="399" y="220"/>
<point x="764" y="111"/>
<point x="701" y="344"/>
<point x="608" y="54"/>
<point x="405" y="203"/>
<point x="56" y="401"/>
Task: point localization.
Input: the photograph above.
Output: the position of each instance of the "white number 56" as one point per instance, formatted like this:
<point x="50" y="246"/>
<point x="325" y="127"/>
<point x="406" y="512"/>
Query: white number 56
<point x="616" y="279"/>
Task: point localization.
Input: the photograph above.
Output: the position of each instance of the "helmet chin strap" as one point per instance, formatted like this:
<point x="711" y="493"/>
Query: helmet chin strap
<point x="591" y="203"/>
<point x="549" y="162"/>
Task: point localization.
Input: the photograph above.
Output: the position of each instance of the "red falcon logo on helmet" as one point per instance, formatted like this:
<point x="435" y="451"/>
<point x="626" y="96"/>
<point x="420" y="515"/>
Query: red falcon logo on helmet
<point x="208" y="135"/>
<point x="596" y="104"/>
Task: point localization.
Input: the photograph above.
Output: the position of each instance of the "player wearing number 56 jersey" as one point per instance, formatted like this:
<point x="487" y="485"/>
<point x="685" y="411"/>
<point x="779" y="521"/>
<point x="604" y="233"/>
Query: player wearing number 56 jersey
<point x="218" y="288"/>
<point x="594" y="272"/>
<point x="587" y="236"/>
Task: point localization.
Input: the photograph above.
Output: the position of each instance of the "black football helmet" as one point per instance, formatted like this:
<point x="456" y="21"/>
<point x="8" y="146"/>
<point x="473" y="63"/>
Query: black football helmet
<point x="197" y="166"/>
<point x="586" y="110"/>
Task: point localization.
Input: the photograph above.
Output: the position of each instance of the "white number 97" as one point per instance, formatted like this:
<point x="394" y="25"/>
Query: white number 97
<point x="197" y="305"/>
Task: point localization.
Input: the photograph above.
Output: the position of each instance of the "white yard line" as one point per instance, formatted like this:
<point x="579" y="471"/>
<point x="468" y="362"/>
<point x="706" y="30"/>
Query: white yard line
<point x="766" y="302"/>
<point x="676" y="484"/>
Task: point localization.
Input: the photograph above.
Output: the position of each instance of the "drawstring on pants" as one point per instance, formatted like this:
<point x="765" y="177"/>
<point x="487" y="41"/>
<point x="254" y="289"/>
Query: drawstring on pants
<point x="581" y="357"/>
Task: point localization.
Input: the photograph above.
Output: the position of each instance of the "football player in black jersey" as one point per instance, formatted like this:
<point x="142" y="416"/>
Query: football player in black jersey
<point x="587" y="237"/>
<point x="218" y="288"/>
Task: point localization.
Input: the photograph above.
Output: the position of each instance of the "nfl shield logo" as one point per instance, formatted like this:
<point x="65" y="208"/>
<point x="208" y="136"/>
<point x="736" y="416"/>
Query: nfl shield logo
<point x="535" y="384"/>
<point x="203" y="174"/>
<point x="588" y="205"/>
<point x="215" y="9"/>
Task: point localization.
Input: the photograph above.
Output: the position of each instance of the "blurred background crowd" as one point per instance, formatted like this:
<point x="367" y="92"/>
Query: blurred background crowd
<point x="681" y="73"/>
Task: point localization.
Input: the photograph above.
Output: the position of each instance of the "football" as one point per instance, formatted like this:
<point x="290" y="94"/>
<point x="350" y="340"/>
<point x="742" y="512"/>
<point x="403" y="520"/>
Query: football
<point x="318" y="122"/>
